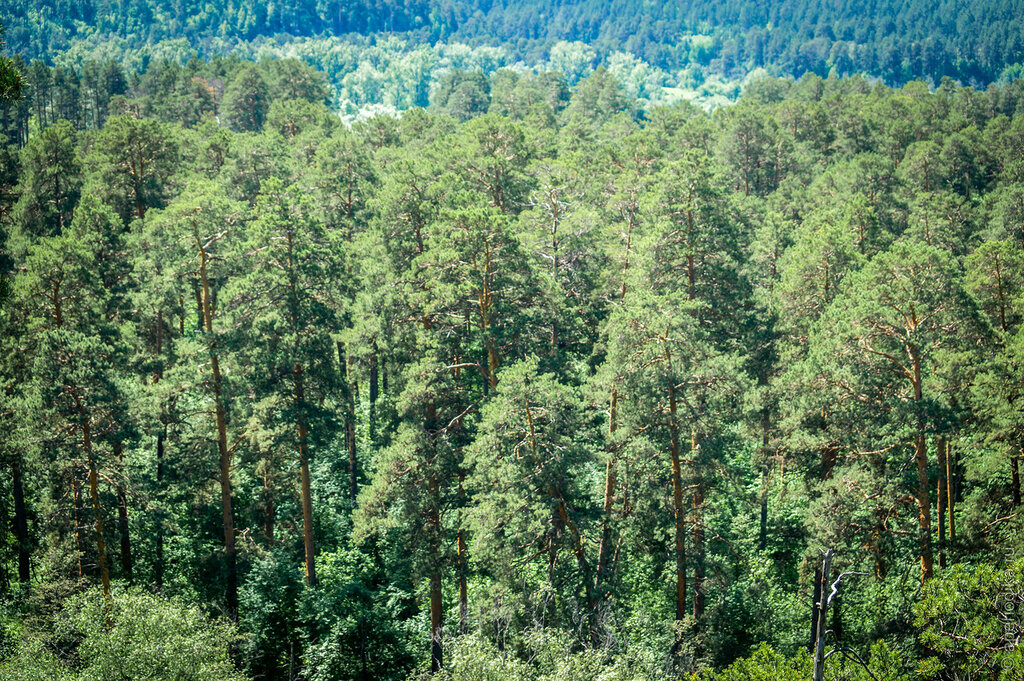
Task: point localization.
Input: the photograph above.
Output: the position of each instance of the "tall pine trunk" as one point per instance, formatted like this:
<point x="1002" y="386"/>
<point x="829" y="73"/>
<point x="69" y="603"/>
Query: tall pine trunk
<point x="76" y="505"/>
<point x="158" y="567"/>
<point x="604" y="549"/>
<point x="1015" y="479"/>
<point x="951" y="489"/>
<point x="924" y="506"/>
<point x="122" y="517"/>
<point x="20" y="521"/>
<point x="698" y="535"/>
<point x="940" y="448"/>
<point x="436" y="609"/>
<point x="94" y="495"/>
<point x="307" y="497"/>
<point x="679" y="518"/>
<point x="227" y="513"/>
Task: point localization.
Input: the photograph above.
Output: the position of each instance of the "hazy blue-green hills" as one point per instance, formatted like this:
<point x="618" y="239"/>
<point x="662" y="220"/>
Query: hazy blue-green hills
<point x="974" y="42"/>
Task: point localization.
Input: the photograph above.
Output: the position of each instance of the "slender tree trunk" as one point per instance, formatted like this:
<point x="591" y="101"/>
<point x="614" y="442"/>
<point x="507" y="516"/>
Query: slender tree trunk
<point x="373" y="395"/>
<point x="837" y="611"/>
<point x="951" y="489"/>
<point x="815" y="611"/>
<point x="122" y="518"/>
<point x="436" y="608"/>
<point x="76" y="502"/>
<point x="94" y="494"/>
<point x="462" y="567"/>
<point x="307" y="497"/>
<point x="434" y="548"/>
<point x="353" y="465"/>
<point x="604" y="554"/>
<point x="269" y="512"/>
<point x="20" y="521"/>
<point x="350" y="422"/>
<point x="941" y="504"/>
<point x="762" y="535"/>
<point x="822" y="607"/>
<point x="227" y="514"/>
<point x="698" y="541"/>
<point x="1015" y="479"/>
<point x="924" y="506"/>
<point x="485" y="299"/>
<point x="604" y="549"/>
<point x="158" y="568"/>
<point x="677" y="501"/>
<point x="463" y="587"/>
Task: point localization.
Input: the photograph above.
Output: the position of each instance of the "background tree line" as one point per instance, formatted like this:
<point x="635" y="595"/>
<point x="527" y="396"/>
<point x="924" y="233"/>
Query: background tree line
<point x="897" y="42"/>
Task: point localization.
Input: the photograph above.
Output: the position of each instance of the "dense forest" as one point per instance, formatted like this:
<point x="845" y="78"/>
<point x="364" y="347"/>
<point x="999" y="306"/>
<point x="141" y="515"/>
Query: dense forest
<point x="974" y="42"/>
<point x="537" y="380"/>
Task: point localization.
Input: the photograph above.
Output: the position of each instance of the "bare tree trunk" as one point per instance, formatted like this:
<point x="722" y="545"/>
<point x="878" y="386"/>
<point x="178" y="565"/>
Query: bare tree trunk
<point x="307" y="497"/>
<point x="158" y="568"/>
<point x="463" y="566"/>
<point x="94" y="494"/>
<point x="76" y="503"/>
<point x="698" y="550"/>
<point x="604" y="549"/>
<point x="1015" y="479"/>
<point x="679" y="516"/>
<point x="762" y="535"/>
<point x="269" y="512"/>
<point x="837" y="610"/>
<point x="463" y="587"/>
<point x="227" y="514"/>
<point x="924" y="506"/>
<point x="436" y="608"/>
<point x="373" y="395"/>
<point x="348" y="397"/>
<point x="951" y="489"/>
<point x="20" y="521"/>
<point x="941" y="505"/>
<point x="122" y="517"/>
<point x="822" y="608"/>
<point x="815" y="612"/>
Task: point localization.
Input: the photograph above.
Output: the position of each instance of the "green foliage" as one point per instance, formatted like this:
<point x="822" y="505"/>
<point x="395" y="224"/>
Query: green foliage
<point x="553" y="382"/>
<point x="971" y="619"/>
<point x="133" y="634"/>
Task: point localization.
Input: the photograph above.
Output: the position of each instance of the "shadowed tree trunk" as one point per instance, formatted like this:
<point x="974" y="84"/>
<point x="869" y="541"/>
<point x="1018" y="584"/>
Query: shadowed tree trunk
<point x="307" y="497"/>
<point x="924" y="506"/>
<point x="941" y="503"/>
<point x="94" y="495"/>
<point x="122" y="517"/>
<point x="951" y="489"/>
<point x="20" y="521"/>
<point x="1015" y="478"/>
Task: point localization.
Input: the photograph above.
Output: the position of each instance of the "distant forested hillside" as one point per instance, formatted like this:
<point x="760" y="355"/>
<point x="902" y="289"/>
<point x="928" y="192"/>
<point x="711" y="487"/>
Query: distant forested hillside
<point x="974" y="42"/>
